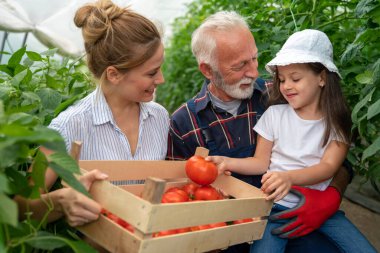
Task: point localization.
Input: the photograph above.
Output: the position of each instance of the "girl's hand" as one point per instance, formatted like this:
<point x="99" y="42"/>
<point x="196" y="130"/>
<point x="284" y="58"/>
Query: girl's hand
<point x="275" y="183"/>
<point x="78" y="208"/>
<point x="221" y="164"/>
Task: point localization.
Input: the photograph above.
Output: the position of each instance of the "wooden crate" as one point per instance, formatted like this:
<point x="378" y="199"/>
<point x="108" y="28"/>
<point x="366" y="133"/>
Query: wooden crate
<point x="150" y="217"/>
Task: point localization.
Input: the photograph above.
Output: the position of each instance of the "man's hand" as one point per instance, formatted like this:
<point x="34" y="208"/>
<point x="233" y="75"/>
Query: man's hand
<point x="314" y="208"/>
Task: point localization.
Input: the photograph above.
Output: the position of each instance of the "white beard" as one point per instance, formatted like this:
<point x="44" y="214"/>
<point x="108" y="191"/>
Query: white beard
<point x="234" y="90"/>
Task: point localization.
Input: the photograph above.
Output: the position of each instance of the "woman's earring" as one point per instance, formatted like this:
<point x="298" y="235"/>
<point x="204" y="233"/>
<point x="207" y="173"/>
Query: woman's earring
<point x="322" y="85"/>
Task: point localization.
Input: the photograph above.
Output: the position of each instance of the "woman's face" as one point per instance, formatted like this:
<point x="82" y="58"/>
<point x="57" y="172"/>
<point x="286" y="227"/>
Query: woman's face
<point x="138" y="84"/>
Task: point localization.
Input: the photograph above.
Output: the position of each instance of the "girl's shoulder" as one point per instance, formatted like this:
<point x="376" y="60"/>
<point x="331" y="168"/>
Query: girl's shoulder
<point x="280" y="108"/>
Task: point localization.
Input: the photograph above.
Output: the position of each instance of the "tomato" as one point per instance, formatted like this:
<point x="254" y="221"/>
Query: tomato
<point x="218" y="224"/>
<point x="207" y="193"/>
<point x="201" y="171"/>
<point x="179" y="191"/>
<point x="200" y="227"/>
<point x="190" y="189"/>
<point x="117" y="220"/>
<point x="242" y="221"/>
<point x="183" y="230"/>
<point x="174" y="197"/>
<point x="165" y="233"/>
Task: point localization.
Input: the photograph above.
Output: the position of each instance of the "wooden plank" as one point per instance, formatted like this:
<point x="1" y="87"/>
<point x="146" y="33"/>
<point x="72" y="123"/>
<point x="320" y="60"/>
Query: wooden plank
<point x="136" y="170"/>
<point x="201" y="151"/>
<point x="111" y="236"/>
<point x="193" y="213"/>
<point x="205" y="240"/>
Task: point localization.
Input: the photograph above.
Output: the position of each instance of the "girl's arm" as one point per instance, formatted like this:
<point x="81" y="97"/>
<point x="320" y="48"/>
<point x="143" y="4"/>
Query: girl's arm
<point x="256" y="165"/>
<point x="279" y="183"/>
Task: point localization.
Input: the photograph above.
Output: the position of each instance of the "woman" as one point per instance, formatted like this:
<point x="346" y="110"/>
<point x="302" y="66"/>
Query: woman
<point x="118" y="121"/>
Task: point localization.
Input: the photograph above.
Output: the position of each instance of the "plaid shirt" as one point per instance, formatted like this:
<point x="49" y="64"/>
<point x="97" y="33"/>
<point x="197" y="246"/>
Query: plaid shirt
<point x="229" y="132"/>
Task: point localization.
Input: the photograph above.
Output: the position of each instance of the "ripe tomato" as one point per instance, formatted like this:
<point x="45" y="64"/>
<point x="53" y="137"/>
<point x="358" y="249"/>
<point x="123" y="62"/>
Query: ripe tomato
<point x="174" y="197"/>
<point x="217" y="224"/>
<point x="165" y="233"/>
<point x="190" y="189"/>
<point x="200" y="227"/>
<point x="242" y="221"/>
<point x="207" y="193"/>
<point x="183" y="230"/>
<point x="117" y="220"/>
<point x="201" y="171"/>
<point x="179" y="191"/>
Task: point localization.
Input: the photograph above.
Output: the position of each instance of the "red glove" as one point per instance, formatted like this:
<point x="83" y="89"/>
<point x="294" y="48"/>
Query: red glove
<point x="314" y="208"/>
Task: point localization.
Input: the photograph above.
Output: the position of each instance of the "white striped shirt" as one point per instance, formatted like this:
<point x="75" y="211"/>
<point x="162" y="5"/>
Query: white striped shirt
<point x="90" y="121"/>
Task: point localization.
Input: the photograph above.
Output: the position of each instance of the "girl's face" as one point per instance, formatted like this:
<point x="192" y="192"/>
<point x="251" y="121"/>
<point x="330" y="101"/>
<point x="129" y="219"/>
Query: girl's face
<point x="139" y="83"/>
<point x="301" y="87"/>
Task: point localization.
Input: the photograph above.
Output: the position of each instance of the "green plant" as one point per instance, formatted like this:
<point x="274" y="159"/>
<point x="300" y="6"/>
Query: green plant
<point x="31" y="94"/>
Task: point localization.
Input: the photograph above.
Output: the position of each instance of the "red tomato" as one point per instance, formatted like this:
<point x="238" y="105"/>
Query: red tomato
<point x="190" y="189"/>
<point x="165" y="233"/>
<point x="201" y="171"/>
<point x="200" y="227"/>
<point x="242" y="221"/>
<point x="207" y="193"/>
<point x="218" y="224"/>
<point x="174" y="197"/>
<point x="179" y="191"/>
<point x="183" y="230"/>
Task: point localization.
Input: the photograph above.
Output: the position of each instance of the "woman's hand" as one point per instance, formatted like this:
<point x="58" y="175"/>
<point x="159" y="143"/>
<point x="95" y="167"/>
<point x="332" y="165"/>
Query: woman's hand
<point x="276" y="184"/>
<point x="221" y="164"/>
<point x="76" y="207"/>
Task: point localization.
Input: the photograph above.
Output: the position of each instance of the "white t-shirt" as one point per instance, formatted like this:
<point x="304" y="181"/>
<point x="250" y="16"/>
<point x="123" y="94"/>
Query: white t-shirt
<point x="297" y="143"/>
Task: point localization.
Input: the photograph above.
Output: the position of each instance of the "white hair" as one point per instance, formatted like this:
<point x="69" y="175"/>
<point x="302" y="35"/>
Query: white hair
<point x="203" y="38"/>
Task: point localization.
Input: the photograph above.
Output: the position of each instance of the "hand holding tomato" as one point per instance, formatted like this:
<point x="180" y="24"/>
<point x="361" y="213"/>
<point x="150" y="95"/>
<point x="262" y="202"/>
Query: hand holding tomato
<point x="221" y="164"/>
<point x="201" y="171"/>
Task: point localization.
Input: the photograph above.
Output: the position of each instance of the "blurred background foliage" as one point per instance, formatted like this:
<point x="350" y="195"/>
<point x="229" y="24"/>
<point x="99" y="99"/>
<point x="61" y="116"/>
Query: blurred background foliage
<point x="352" y="26"/>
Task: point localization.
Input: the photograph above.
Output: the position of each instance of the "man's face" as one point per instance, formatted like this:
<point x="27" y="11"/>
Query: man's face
<point x="236" y="70"/>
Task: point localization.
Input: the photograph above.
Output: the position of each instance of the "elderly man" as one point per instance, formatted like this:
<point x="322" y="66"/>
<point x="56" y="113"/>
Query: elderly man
<point x="222" y="115"/>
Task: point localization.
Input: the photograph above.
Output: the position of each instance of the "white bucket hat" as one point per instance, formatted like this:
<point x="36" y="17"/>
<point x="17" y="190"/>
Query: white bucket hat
<point x="305" y="47"/>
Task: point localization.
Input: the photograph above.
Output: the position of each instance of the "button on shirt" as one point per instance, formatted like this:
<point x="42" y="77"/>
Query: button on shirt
<point x="91" y="122"/>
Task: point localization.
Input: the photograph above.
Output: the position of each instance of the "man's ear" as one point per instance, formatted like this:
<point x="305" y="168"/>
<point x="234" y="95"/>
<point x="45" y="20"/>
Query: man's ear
<point x="113" y="75"/>
<point x="206" y="70"/>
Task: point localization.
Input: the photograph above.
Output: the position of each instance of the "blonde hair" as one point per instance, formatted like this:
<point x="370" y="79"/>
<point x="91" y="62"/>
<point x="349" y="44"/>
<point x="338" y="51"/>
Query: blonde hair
<point x="115" y="36"/>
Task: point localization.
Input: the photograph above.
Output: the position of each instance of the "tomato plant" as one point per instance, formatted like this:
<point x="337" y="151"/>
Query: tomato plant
<point x="201" y="171"/>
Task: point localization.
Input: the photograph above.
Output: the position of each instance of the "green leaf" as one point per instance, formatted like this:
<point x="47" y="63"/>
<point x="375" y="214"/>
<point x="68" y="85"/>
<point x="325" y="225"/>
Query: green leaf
<point x="46" y="241"/>
<point x="351" y="52"/>
<point x="5" y="69"/>
<point x="17" y="79"/>
<point x="50" y="98"/>
<point x="365" y="78"/>
<point x="4" y="186"/>
<point x="67" y="176"/>
<point x="373" y="110"/>
<point x="8" y="211"/>
<point x="65" y="161"/>
<point x="372" y="149"/>
<point x="39" y="167"/>
<point x="16" y="57"/>
<point x="66" y="104"/>
<point x="365" y="6"/>
<point x="360" y="105"/>
<point x="376" y="72"/>
<point x="33" y="56"/>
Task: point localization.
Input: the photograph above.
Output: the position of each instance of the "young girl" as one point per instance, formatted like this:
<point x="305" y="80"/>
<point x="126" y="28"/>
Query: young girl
<point x="303" y="137"/>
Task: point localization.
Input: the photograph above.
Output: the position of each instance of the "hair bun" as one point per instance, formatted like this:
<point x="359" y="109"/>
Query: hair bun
<point x="95" y="19"/>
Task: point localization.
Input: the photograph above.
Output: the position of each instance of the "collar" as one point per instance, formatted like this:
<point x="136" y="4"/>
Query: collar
<point x="102" y="112"/>
<point x="204" y="98"/>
